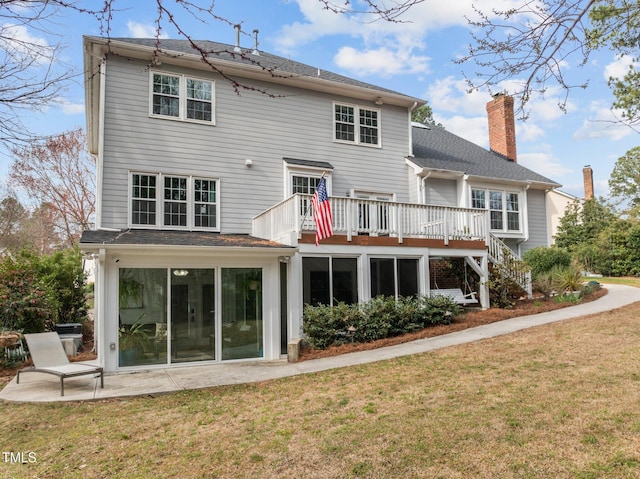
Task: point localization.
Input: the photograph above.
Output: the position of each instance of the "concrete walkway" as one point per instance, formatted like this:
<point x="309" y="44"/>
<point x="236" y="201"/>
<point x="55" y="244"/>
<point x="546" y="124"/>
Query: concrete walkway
<point x="38" y="387"/>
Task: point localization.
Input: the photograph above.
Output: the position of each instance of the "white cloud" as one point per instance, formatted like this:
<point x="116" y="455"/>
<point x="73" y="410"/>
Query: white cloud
<point x="527" y="131"/>
<point x="382" y="61"/>
<point x="602" y="123"/>
<point x="143" y="30"/>
<point x="619" y="67"/>
<point x="419" y="19"/>
<point x="17" y="42"/>
<point x="70" y="108"/>
<point x="450" y="95"/>
<point x="543" y="162"/>
<point x="377" y="46"/>
<point x="476" y="129"/>
<point x="473" y="129"/>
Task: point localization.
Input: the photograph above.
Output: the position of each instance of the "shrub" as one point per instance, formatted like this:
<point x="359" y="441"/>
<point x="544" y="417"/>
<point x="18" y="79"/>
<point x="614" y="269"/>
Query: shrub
<point x="378" y="318"/>
<point x="543" y="259"/>
<point x="25" y="304"/>
<point x="569" y="279"/>
<point x="503" y="291"/>
<point x="64" y="276"/>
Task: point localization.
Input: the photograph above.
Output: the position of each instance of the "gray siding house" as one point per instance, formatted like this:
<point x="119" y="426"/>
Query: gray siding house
<point x="207" y="159"/>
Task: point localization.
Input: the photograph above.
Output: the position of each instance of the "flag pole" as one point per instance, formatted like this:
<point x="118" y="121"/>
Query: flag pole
<point x="306" y="213"/>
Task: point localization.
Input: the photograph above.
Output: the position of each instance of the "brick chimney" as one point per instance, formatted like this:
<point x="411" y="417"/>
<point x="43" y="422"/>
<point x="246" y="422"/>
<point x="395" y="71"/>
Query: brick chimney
<point x="502" y="126"/>
<point x="587" y="174"/>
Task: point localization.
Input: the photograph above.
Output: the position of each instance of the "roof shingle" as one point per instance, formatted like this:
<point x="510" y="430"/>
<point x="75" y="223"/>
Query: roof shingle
<point x="436" y="148"/>
<point x="143" y="237"/>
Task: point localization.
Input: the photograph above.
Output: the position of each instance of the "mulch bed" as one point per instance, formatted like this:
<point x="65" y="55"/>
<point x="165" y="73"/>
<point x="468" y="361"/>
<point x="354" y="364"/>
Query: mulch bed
<point x="467" y="320"/>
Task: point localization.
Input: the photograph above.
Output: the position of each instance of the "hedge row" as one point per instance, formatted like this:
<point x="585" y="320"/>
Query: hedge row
<point x="378" y="318"/>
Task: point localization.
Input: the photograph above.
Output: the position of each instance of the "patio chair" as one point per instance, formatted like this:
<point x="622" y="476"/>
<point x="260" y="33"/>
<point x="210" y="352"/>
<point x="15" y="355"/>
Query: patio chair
<point x="48" y="356"/>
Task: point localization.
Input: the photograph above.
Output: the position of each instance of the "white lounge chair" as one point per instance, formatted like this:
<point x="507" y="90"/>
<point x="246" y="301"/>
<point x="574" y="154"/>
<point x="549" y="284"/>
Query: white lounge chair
<point x="48" y="356"/>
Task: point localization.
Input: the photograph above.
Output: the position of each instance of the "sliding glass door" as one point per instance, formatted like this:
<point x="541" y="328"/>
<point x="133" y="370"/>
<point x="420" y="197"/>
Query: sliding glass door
<point x="172" y="316"/>
<point x="192" y="315"/>
<point x="241" y="313"/>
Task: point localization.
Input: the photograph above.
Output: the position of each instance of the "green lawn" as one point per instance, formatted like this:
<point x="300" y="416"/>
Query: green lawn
<point x="557" y="401"/>
<point x="629" y="281"/>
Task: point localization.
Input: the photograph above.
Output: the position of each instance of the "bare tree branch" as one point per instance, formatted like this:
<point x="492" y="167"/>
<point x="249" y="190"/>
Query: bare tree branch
<point x="59" y="173"/>
<point x="539" y="41"/>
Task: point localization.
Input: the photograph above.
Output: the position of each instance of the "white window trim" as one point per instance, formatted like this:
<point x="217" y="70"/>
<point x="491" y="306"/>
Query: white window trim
<point x="420" y="278"/>
<point x="356" y="116"/>
<point x="182" y="95"/>
<point x="310" y="171"/>
<point x="360" y="281"/>
<point x="504" y="191"/>
<point x="159" y="225"/>
<point x="355" y="193"/>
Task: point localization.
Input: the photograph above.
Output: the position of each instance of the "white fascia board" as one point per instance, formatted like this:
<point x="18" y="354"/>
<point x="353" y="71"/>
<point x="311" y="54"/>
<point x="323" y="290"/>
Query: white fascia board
<point x="187" y="250"/>
<point x="536" y="185"/>
<point x="255" y="72"/>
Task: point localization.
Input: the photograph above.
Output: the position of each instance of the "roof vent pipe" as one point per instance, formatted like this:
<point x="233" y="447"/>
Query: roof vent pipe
<point x="237" y="48"/>
<point x="255" y="48"/>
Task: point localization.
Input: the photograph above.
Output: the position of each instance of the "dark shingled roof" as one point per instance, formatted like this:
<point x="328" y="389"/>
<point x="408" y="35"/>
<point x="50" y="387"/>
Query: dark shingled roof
<point x="173" y="238"/>
<point x="316" y="164"/>
<point x="436" y="148"/>
<point x="265" y="60"/>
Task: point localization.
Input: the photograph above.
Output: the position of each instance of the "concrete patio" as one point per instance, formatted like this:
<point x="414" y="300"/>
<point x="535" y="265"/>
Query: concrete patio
<point x="36" y="387"/>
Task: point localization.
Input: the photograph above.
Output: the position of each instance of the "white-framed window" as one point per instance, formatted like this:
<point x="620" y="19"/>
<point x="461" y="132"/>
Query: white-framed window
<point x="173" y="201"/>
<point x="329" y="280"/>
<point x="181" y="97"/>
<point x="395" y="277"/>
<point x="304" y="180"/>
<point x="143" y="199"/>
<point x="504" y="208"/>
<point x="305" y="184"/>
<point x="356" y="124"/>
<point x="206" y="203"/>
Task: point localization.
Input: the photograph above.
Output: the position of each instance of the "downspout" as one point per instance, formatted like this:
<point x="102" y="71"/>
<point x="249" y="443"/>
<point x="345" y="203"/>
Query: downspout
<point x="423" y="186"/>
<point x="415" y="104"/>
<point x="99" y="308"/>
<point x="525" y="219"/>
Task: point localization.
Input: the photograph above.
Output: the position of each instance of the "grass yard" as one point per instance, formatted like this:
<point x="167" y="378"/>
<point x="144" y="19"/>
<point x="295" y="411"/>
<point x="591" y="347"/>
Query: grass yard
<point x="557" y="401"/>
<point x="626" y="280"/>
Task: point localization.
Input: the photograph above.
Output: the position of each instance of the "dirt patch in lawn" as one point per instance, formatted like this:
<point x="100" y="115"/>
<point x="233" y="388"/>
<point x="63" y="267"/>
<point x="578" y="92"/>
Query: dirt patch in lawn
<point x="469" y="319"/>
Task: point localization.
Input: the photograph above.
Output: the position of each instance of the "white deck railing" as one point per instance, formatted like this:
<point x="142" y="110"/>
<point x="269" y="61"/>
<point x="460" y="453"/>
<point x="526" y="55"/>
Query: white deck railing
<point x="354" y="216"/>
<point x="287" y="220"/>
<point x="510" y="262"/>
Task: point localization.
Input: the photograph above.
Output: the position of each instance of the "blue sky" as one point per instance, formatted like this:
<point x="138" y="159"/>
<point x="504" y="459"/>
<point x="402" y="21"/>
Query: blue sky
<point x="414" y="58"/>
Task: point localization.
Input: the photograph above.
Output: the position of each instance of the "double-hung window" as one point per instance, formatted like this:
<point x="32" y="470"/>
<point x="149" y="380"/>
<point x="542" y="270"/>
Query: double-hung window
<point x="181" y="97"/>
<point x="306" y="185"/>
<point x="355" y="124"/>
<point x="503" y="206"/>
<point x="143" y="199"/>
<point x="206" y="204"/>
<point x="174" y="202"/>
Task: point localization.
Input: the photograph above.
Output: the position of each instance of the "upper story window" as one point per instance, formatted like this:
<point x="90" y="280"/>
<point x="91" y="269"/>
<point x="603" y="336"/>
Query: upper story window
<point x="167" y="201"/>
<point x="181" y="97"/>
<point x="504" y="208"/>
<point x="355" y="124"/>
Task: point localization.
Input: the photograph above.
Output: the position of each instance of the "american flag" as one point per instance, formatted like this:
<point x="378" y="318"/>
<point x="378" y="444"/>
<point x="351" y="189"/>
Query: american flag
<point x="322" y="215"/>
